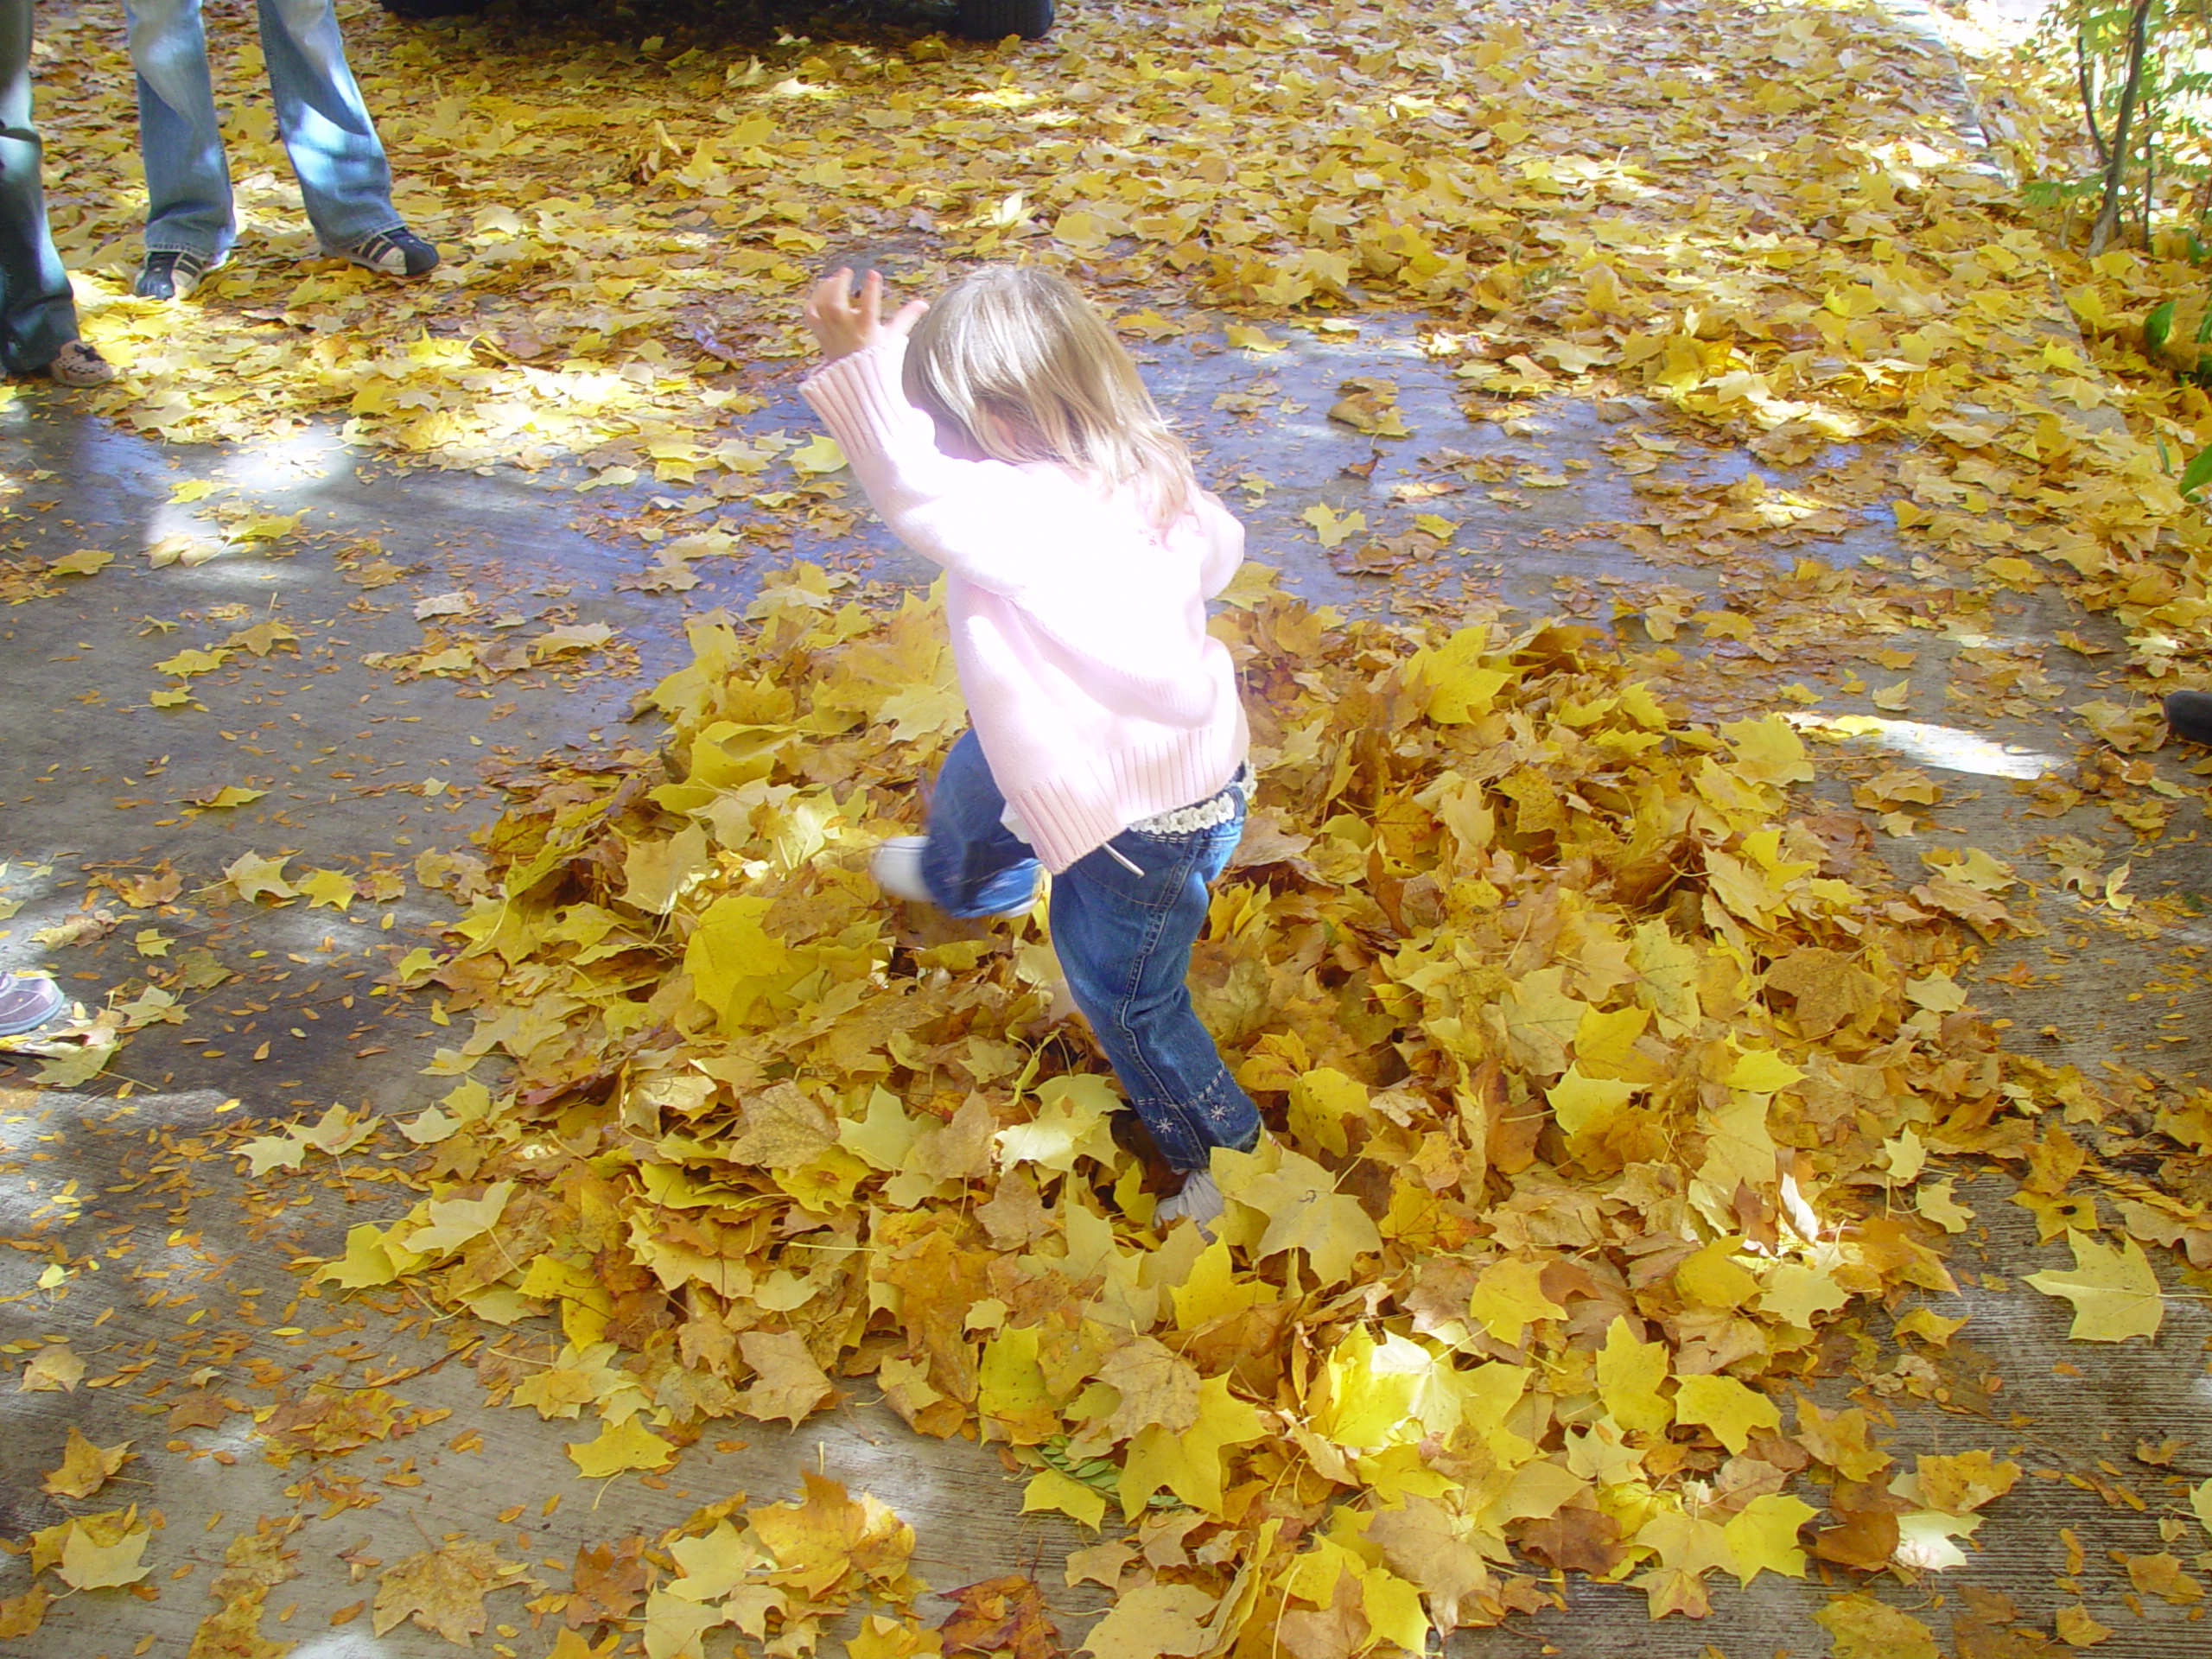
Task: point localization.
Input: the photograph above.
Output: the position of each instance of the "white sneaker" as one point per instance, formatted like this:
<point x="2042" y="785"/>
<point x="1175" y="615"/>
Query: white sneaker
<point x="896" y="864"/>
<point x="28" y="1002"/>
<point x="1199" y="1201"/>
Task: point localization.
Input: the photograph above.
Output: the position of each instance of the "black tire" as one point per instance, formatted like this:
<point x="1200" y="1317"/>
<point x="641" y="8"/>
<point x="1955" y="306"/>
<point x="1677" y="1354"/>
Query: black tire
<point x="419" y="10"/>
<point x="994" y="19"/>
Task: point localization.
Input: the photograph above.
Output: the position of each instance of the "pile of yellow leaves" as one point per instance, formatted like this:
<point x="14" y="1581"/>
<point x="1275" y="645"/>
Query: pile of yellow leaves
<point x="1601" y="1069"/>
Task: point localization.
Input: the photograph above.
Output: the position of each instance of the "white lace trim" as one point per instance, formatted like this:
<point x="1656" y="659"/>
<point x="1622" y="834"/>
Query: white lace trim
<point x="1219" y="809"/>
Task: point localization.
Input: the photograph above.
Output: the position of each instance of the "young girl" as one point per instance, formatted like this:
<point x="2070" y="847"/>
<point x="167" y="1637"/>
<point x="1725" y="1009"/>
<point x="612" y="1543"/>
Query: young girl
<point x="1003" y="433"/>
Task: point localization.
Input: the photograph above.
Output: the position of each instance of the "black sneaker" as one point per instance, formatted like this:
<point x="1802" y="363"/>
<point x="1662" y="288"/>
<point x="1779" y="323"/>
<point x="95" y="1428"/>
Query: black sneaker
<point x="2190" y="714"/>
<point x="169" y="274"/>
<point x="396" y="252"/>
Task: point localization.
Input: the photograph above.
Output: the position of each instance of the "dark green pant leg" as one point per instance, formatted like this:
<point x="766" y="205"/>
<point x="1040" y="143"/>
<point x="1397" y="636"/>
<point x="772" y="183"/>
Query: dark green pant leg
<point x="37" y="315"/>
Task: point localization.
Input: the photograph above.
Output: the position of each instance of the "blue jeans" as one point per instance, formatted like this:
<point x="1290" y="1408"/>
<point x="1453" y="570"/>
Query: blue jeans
<point x="327" y="132"/>
<point x="1124" y="942"/>
<point x="38" y="316"/>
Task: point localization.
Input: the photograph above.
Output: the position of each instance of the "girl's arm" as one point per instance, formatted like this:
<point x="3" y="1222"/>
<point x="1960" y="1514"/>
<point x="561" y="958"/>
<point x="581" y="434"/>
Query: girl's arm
<point x="981" y="520"/>
<point x="997" y="526"/>
<point x="843" y="322"/>
<point x="1223" y="534"/>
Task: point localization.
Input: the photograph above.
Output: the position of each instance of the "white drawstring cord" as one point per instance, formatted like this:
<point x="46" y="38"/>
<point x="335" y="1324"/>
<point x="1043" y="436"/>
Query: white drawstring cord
<point x="1113" y="852"/>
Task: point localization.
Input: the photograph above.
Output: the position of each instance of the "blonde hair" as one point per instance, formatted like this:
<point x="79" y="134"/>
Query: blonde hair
<point x="1015" y="358"/>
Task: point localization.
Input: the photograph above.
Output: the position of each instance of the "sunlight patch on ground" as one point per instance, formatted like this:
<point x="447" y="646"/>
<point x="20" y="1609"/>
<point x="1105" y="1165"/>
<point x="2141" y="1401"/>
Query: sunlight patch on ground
<point x="1950" y="748"/>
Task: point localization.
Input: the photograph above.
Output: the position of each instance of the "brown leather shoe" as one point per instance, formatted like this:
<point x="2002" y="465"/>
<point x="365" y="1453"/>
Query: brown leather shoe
<point x="77" y="365"/>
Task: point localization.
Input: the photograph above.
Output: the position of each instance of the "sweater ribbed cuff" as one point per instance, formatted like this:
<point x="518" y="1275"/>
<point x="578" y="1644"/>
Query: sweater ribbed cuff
<point x="860" y="400"/>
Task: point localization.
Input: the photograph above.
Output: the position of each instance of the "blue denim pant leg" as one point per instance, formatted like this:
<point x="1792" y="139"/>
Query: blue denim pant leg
<point x="180" y="147"/>
<point x="38" y="316"/>
<point x="343" y="178"/>
<point x="975" y="866"/>
<point x="1124" y="942"/>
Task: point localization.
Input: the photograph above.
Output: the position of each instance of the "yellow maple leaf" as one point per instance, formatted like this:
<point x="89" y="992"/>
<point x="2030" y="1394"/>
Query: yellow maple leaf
<point x="2114" y="1291"/>
<point x="229" y="795"/>
<point x="1795" y="1293"/>
<point x="829" y="1536"/>
<point x="1052" y="1490"/>
<point x="1630" y="1372"/>
<point x="569" y="639"/>
<point x="89" y="1563"/>
<point x="1762" y="1536"/>
<point x="675" y="1625"/>
<point x="1762" y="1072"/>
<point x="451" y="1222"/>
<point x="885" y="1135"/>
<point x="1671" y="1589"/>
<point x="1157" y="1386"/>
<point x="1323" y="1101"/>
<point x="1667" y="977"/>
<point x="371" y="1259"/>
<point x="1153" y="1621"/>
<point x="1867" y="1629"/>
<point x="1604" y="1041"/>
<point x="1214" y="1289"/>
<point x="712" y="1566"/>
<point x="1929" y="1326"/>
<point x="54" y="1369"/>
<point x="267" y="1152"/>
<point x="1732" y="1411"/>
<point x="190" y="662"/>
<point x="1540" y="1020"/>
<point x="1189" y="1465"/>
<point x="1768" y="751"/>
<point x="329" y="889"/>
<point x="626" y="1445"/>
<point x="913" y="712"/>
<point x="1334" y="528"/>
<point x="819" y="453"/>
<point x="442" y="1590"/>
<point x="20" y="1616"/>
<point x="1838" y="1439"/>
<point x="1684" y="1542"/>
<point x="1963" y="1482"/>
<point x="1302" y="1211"/>
<point x="788" y="1383"/>
<point x="84" y="1467"/>
<point x="733" y="962"/>
<point x="1713" y="1278"/>
<point x="252" y="876"/>
<point x="2078" y="1628"/>
<point x="1460" y="687"/>
<point x="1509" y="1297"/>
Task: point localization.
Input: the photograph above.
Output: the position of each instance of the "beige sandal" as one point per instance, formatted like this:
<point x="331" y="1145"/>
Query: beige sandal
<point x="77" y="365"/>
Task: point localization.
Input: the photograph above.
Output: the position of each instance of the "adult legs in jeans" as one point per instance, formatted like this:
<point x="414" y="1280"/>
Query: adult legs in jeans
<point x="343" y="178"/>
<point x="1124" y="942"/>
<point x="973" y="865"/>
<point x="38" y="316"/>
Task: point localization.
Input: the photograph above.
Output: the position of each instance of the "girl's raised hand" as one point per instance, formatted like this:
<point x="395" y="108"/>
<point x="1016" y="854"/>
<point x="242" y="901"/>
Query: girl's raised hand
<point x="843" y="324"/>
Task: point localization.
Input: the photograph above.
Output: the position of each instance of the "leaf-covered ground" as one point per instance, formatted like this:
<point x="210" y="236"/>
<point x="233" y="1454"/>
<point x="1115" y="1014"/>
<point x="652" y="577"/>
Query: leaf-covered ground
<point x="1603" y="1076"/>
<point x="1630" y="1090"/>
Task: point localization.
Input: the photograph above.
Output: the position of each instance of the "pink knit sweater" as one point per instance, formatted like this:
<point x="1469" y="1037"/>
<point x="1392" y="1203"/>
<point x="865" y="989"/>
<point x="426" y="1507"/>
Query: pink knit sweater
<point x="1079" y="629"/>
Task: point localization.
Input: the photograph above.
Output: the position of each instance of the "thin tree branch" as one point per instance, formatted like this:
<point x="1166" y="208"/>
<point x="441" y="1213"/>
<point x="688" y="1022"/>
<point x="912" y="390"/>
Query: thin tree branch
<point x="2086" y="73"/>
<point x="2138" y="29"/>
<point x="2150" y="182"/>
